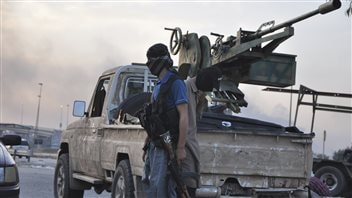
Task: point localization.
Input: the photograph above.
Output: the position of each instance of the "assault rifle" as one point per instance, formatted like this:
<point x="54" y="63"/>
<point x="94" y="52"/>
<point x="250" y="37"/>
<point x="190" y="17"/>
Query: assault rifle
<point x="173" y="166"/>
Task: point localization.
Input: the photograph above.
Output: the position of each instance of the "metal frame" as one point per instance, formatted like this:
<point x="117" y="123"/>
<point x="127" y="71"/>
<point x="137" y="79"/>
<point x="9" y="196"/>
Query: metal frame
<point x="303" y="90"/>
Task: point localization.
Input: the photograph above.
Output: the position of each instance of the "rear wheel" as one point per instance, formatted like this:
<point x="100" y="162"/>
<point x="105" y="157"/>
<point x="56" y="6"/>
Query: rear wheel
<point x="62" y="180"/>
<point x="333" y="178"/>
<point x="122" y="186"/>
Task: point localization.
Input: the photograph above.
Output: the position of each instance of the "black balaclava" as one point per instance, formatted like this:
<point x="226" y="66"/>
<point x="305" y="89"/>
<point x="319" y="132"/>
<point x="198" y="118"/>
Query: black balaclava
<point x="158" y="58"/>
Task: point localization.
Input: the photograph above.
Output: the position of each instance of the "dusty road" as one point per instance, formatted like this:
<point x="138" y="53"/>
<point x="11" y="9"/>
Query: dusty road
<point x="36" y="179"/>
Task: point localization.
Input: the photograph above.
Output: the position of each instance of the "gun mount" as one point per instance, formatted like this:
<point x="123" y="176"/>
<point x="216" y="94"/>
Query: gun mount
<point x="243" y="58"/>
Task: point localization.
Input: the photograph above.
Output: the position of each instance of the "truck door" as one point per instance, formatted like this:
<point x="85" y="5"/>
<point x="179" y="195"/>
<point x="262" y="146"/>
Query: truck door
<point x="94" y="132"/>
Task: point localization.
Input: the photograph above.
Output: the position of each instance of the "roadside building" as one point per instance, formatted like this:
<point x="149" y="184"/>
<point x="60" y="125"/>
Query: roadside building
<point x="40" y="138"/>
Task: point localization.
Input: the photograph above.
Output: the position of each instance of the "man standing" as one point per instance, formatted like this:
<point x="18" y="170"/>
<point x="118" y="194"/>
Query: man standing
<point x="205" y="81"/>
<point x="169" y="112"/>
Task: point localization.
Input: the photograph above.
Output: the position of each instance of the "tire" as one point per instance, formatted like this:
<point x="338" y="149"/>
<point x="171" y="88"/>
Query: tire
<point x="62" y="180"/>
<point x="333" y="178"/>
<point x="122" y="186"/>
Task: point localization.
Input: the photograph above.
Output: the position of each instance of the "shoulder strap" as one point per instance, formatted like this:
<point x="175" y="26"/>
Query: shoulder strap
<point x="160" y="104"/>
<point x="165" y="88"/>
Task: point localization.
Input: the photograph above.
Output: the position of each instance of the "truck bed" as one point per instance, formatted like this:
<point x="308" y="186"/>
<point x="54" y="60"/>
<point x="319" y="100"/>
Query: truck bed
<point x="252" y="152"/>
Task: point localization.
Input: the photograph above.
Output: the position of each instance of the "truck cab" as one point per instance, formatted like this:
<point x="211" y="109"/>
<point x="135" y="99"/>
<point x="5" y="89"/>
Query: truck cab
<point x="86" y="154"/>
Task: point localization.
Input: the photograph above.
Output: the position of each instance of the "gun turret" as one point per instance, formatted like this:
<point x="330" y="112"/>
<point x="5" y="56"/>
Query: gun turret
<point x="243" y="58"/>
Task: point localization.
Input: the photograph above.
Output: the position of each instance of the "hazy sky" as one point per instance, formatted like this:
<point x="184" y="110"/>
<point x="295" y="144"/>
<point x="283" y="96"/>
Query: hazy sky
<point x="66" y="45"/>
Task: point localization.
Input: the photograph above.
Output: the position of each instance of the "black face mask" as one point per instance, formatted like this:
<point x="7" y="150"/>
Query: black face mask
<point x="155" y="65"/>
<point x="156" y="69"/>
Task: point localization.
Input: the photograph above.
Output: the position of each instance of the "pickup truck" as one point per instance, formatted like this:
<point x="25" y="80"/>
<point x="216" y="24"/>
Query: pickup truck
<point x="22" y="150"/>
<point x="239" y="156"/>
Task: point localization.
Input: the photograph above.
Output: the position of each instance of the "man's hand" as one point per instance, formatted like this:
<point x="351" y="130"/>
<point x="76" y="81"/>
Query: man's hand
<point x="180" y="155"/>
<point x="145" y="148"/>
<point x="144" y="155"/>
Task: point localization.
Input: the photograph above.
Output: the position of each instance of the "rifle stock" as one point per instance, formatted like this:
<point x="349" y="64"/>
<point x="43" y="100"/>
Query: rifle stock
<point x="173" y="165"/>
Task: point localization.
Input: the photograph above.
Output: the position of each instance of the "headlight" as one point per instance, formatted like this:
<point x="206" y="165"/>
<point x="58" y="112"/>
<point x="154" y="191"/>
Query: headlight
<point x="8" y="174"/>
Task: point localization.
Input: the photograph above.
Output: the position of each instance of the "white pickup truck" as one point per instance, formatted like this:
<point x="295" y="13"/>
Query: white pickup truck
<point x="239" y="156"/>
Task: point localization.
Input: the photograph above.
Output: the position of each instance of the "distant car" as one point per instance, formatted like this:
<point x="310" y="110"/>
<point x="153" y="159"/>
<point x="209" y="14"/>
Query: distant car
<point x="22" y="150"/>
<point x="9" y="179"/>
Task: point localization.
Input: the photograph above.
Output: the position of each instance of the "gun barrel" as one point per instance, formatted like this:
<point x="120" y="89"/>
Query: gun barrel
<point x="329" y="6"/>
<point x="322" y="9"/>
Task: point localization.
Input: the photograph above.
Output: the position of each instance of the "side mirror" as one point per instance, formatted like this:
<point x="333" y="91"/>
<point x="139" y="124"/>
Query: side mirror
<point x="79" y="108"/>
<point x="11" y="140"/>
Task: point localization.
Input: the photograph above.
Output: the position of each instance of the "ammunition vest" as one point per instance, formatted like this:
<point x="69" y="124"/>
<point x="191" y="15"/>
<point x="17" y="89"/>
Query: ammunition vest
<point x="163" y="118"/>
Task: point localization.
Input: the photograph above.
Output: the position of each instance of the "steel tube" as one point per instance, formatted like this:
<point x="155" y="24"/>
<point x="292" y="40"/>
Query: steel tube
<point x="322" y="9"/>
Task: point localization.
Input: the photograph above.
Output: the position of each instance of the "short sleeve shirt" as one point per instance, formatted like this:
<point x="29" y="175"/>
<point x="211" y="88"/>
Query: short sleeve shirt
<point x="178" y="91"/>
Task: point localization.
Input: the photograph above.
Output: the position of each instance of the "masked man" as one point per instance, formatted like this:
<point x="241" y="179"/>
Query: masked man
<point x="169" y="112"/>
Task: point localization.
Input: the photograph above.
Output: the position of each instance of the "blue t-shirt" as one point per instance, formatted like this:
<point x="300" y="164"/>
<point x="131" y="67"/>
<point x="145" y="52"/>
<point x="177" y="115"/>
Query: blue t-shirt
<point x="178" y="91"/>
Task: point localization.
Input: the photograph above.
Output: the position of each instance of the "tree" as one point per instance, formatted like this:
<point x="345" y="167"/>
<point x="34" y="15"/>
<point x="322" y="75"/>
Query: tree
<point x="322" y="156"/>
<point x="338" y="155"/>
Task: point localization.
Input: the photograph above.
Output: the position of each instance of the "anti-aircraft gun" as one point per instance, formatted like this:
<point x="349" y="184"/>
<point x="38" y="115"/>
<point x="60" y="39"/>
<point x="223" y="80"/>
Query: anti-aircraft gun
<point x="243" y="58"/>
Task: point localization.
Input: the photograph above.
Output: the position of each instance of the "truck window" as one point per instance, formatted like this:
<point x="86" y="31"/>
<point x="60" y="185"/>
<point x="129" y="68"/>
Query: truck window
<point x="135" y="85"/>
<point x="131" y="84"/>
<point x="99" y="97"/>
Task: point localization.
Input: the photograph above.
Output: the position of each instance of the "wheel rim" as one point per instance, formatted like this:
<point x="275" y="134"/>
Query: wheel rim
<point x="330" y="180"/>
<point x="60" y="182"/>
<point x="120" y="187"/>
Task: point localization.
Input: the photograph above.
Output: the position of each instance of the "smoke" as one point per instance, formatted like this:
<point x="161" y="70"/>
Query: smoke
<point x="66" y="46"/>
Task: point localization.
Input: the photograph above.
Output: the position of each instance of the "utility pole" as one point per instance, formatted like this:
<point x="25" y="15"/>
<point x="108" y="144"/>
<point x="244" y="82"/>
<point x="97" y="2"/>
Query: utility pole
<point x="21" y="113"/>
<point x="37" y="119"/>
<point x="289" y="117"/>
<point x="67" y="114"/>
<point x="324" y="139"/>
<point x="61" y="108"/>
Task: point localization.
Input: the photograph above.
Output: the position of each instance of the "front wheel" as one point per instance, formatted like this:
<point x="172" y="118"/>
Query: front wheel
<point x="122" y="186"/>
<point x="333" y="178"/>
<point x="62" y="180"/>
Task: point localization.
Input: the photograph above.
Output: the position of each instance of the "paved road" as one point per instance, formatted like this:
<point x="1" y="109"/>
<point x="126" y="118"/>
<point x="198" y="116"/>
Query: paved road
<point x="36" y="179"/>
